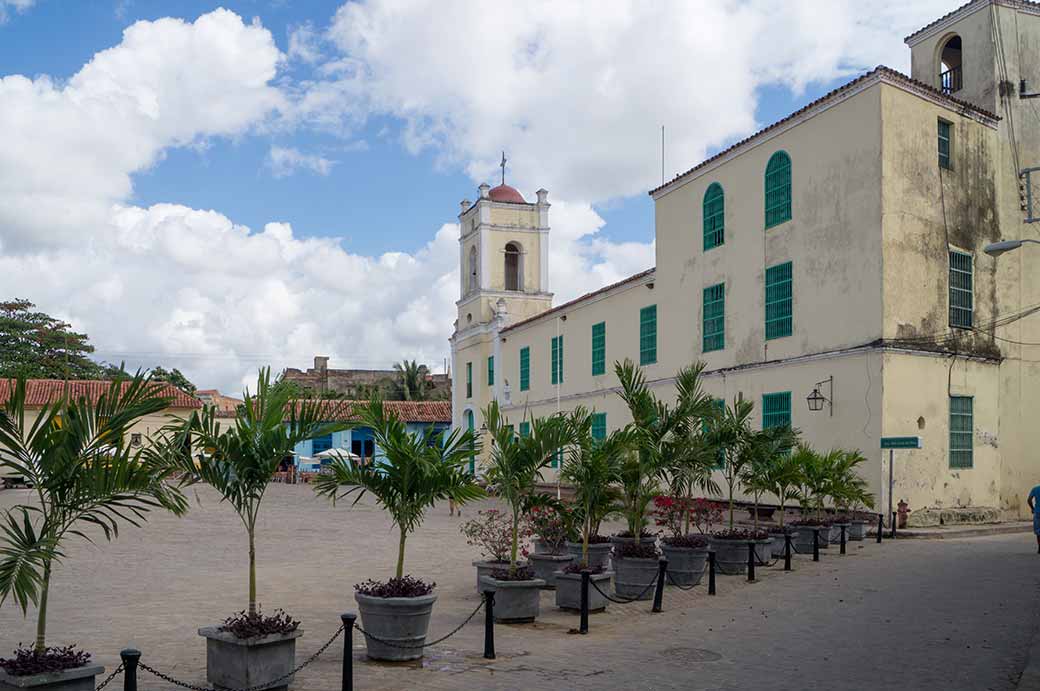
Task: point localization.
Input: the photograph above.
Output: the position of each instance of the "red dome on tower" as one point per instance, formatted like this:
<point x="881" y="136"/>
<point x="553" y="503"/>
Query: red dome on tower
<point x="505" y="193"/>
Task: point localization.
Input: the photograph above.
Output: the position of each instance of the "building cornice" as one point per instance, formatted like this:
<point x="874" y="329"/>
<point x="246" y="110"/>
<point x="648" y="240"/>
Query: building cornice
<point x="944" y="22"/>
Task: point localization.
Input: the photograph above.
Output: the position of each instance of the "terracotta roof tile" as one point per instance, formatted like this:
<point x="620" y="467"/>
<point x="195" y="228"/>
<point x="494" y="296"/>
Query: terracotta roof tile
<point x="43" y="391"/>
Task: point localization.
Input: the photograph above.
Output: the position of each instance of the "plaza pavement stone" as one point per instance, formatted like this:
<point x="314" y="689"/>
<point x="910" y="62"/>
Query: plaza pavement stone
<point x="952" y="614"/>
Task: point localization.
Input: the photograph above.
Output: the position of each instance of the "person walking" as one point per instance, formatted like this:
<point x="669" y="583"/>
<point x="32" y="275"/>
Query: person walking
<point x="1034" y="504"/>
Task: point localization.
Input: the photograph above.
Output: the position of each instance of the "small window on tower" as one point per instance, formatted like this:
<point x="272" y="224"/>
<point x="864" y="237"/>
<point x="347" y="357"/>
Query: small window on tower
<point x="950" y="78"/>
<point x="514" y="273"/>
<point x="472" y="268"/>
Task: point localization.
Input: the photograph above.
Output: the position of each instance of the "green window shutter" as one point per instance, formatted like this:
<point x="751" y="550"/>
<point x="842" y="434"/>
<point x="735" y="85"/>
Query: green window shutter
<point x="599" y="348"/>
<point x="714" y="216"/>
<point x="469" y="380"/>
<point x="556" y="351"/>
<point x="944" y="144"/>
<point x="473" y="457"/>
<point x="713" y="326"/>
<point x="525" y="368"/>
<point x="961" y="290"/>
<point x="776" y="410"/>
<point x="778" y="301"/>
<point x="491" y="370"/>
<point x="720" y="454"/>
<point x="557" y="458"/>
<point x="648" y="335"/>
<point x="962" y="452"/>
<point x="525" y="428"/>
<point x="778" y="189"/>
<point x="599" y="426"/>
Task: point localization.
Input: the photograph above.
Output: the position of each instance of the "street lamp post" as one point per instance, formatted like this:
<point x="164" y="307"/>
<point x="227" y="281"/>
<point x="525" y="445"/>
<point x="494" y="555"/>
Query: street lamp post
<point x="998" y="248"/>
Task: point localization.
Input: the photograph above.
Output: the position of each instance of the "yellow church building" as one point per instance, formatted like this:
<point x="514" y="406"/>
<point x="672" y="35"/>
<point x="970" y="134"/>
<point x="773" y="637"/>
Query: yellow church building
<point x="837" y="253"/>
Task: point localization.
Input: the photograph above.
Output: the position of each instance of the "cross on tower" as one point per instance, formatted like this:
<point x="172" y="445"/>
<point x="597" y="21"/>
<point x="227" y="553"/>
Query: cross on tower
<point x="502" y="165"/>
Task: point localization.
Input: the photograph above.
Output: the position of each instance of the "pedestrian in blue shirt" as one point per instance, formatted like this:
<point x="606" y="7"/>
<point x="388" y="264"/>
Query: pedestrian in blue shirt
<point x="1034" y="504"/>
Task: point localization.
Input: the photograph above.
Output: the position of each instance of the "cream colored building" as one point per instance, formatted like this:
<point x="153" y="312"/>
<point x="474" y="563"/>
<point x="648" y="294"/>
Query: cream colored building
<point x="839" y="249"/>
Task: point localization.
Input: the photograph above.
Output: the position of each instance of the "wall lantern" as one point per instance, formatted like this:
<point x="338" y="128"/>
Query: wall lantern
<point x="816" y="399"/>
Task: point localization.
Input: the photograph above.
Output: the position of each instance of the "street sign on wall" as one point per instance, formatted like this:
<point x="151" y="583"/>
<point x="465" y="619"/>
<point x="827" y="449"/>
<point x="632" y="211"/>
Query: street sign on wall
<point x="900" y="442"/>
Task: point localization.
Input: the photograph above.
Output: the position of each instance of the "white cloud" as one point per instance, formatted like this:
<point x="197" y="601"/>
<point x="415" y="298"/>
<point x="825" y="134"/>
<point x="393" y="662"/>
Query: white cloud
<point x="7" y="6"/>
<point x="286" y="160"/>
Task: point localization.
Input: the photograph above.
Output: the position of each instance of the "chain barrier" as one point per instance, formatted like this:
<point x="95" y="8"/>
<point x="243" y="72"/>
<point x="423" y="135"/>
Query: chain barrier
<point x="623" y="600"/>
<point x="431" y="643"/>
<point x="763" y="562"/>
<point x="704" y="570"/>
<point x="111" y="676"/>
<point x="255" y="687"/>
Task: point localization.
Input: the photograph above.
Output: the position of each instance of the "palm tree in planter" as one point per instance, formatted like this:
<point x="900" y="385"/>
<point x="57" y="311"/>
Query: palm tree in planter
<point x="729" y="432"/>
<point x="592" y="468"/>
<point x="782" y="478"/>
<point x="514" y="467"/>
<point x="816" y="473"/>
<point x="76" y="456"/>
<point x="411" y="474"/>
<point x="764" y="450"/>
<point x="238" y="460"/>
<point x="846" y="491"/>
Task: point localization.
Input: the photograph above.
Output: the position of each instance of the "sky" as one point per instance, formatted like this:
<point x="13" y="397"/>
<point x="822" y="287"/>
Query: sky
<point x="222" y="187"/>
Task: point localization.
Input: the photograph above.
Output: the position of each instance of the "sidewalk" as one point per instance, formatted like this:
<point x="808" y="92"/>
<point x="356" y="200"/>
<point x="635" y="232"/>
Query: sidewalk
<point x="964" y="530"/>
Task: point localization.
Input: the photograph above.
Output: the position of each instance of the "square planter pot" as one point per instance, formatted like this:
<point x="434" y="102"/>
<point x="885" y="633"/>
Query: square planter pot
<point x="243" y="662"/>
<point x="857" y="531"/>
<point x="778" y="544"/>
<point x="545" y="566"/>
<point x="685" y="564"/>
<point x="75" y="679"/>
<point x="401" y="621"/>
<point x="599" y="554"/>
<point x="516" y="602"/>
<point x="633" y="576"/>
<point x="568" y="591"/>
<point x="802" y="540"/>
<point x="484" y="568"/>
<point x="730" y="556"/>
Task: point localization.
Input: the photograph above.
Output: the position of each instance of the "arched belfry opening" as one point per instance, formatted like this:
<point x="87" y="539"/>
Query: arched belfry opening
<point x="514" y="267"/>
<point x="473" y="280"/>
<point x="950" y="77"/>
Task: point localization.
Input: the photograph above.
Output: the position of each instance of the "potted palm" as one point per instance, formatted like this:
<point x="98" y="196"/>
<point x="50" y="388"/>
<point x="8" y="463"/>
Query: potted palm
<point x="548" y="522"/>
<point x="729" y="431"/>
<point x="238" y="460"/>
<point x="492" y="531"/>
<point x="783" y="477"/>
<point x="412" y="473"/>
<point x="764" y="450"/>
<point x="592" y="468"/>
<point x="515" y="465"/>
<point x="76" y="456"/>
<point x="814" y="478"/>
<point x="847" y="490"/>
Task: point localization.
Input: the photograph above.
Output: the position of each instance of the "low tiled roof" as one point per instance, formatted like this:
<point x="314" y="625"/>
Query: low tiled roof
<point x="586" y="296"/>
<point x="39" y="392"/>
<point x="880" y="70"/>
<point x="406" y="411"/>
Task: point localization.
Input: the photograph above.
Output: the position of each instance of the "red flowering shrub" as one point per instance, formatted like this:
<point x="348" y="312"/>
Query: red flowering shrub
<point x="550" y="527"/>
<point x="492" y="532"/>
<point x="671" y="513"/>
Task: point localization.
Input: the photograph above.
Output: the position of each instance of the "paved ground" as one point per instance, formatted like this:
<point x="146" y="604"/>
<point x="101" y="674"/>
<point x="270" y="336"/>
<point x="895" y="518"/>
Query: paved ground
<point x="914" y="614"/>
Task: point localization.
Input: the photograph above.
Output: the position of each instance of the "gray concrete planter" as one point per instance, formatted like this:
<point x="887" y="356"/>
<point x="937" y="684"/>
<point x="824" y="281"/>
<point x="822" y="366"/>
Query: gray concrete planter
<point x="75" y="679"/>
<point x="243" y="662"/>
<point x="540" y="546"/>
<point x="516" y="602"/>
<point x="779" y="543"/>
<point x="403" y="621"/>
<point x="484" y="568"/>
<point x="857" y="531"/>
<point x="545" y="566"/>
<point x="618" y="540"/>
<point x="599" y="554"/>
<point x="685" y="564"/>
<point x="631" y="577"/>
<point x="730" y="555"/>
<point x="803" y="539"/>
<point x="568" y="591"/>
<point x="836" y="532"/>
<point x="764" y="552"/>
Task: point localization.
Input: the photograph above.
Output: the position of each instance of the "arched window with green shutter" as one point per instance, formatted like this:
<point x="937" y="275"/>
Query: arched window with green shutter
<point x="778" y="189"/>
<point x="714" y="216"/>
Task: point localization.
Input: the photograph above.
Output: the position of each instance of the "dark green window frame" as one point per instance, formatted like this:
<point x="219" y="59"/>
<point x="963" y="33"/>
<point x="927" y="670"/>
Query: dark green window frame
<point x="945" y="141"/>
<point x="599" y="426"/>
<point x="525" y="368"/>
<point x="556" y="351"/>
<point x="713" y="318"/>
<point x="599" y="349"/>
<point x="962" y="432"/>
<point x="776" y="410"/>
<point x="779" y="317"/>
<point x="491" y="370"/>
<point x="469" y="380"/>
<point x="525" y="428"/>
<point x="714" y="216"/>
<point x="778" y="189"/>
<point x="648" y="335"/>
<point x="962" y="300"/>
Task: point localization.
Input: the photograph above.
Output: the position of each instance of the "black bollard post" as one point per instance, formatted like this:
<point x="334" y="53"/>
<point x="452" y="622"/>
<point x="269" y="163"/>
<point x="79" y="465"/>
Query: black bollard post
<point x="751" y="562"/>
<point x="880" y="527"/>
<point x="348" y="620"/>
<point x="130" y="659"/>
<point x="662" y="566"/>
<point x="893" y="525"/>
<point x="583" y="622"/>
<point x="787" y="552"/>
<point x="842" y="540"/>
<point x="489" y="624"/>
<point x="816" y="545"/>
<point x="711" y="572"/>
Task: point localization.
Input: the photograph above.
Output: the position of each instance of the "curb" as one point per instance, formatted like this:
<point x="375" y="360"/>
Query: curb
<point x="975" y="531"/>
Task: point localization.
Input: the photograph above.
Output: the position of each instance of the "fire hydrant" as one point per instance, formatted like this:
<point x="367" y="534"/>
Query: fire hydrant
<point x="902" y="511"/>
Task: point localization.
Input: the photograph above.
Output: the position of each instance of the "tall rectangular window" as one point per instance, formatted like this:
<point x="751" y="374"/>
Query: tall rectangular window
<point x="778" y="301"/>
<point x="962" y="447"/>
<point x="776" y="410"/>
<point x="945" y="133"/>
<point x="491" y="370"/>
<point x="961" y="290"/>
<point x="525" y="368"/>
<point x="469" y="380"/>
<point x="648" y="335"/>
<point x="713" y="327"/>
<point x="599" y="426"/>
<point x="525" y="428"/>
<point x="599" y="348"/>
<point x="556" y="351"/>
